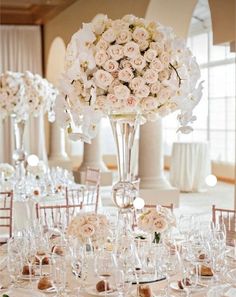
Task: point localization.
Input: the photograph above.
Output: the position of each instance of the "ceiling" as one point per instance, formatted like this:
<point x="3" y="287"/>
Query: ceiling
<point x="30" y="12"/>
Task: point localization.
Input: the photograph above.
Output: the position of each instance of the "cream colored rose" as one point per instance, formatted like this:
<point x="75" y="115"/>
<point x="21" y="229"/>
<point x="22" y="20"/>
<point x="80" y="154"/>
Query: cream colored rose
<point x="164" y="95"/>
<point x="126" y="74"/>
<point x="129" y="18"/>
<point x="111" y="65"/>
<point x="99" y="23"/>
<point x="137" y="83"/>
<point x="103" y="78"/>
<point x="158" y="36"/>
<point x="150" y="55"/>
<point x="125" y="63"/>
<point x="121" y="92"/>
<point x="123" y="36"/>
<point x="165" y="58"/>
<point x="143" y="45"/>
<point x="101" y="101"/>
<point x="87" y="230"/>
<point x="115" y="83"/>
<point x="150" y="76"/>
<point x="102" y="44"/>
<point x="156" y="65"/>
<point x="116" y="51"/>
<point x="142" y="92"/>
<point x="157" y="46"/>
<point x="149" y="103"/>
<point x="159" y="224"/>
<point x="119" y="25"/>
<point x="114" y="102"/>
<point x="109" y="35"/>
<point x="138" y="63"/>
<point x="163" y="75"/>
<point x="152" y="26"/>
<point x="140" y="34"/>
<point x="131" y="50"/>
<point x="155" y="88"/>
<point x="101" y="57"/>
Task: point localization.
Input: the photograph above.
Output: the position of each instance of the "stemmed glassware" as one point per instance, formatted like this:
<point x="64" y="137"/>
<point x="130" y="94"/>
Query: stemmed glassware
<point x="59" y="275"/>
<point x="42" y="251"/>
<point x="105" y="265"/>
<point x="189" y="276"/>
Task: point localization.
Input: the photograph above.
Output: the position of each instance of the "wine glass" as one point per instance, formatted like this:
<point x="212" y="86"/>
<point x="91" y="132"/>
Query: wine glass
<point x="105" y="265"/>
<point x="185" y="225"/>
<point x="189" y="276"/>
<point x="122" y="284"/>
<point x="59" y="275"/>
<point x="14" y="267"/>
<point x="42" y="247"/>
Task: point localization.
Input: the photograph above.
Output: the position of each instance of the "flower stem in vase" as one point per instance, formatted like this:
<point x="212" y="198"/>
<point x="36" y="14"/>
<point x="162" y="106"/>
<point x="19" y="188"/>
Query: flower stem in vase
<point x="157" y="237"/>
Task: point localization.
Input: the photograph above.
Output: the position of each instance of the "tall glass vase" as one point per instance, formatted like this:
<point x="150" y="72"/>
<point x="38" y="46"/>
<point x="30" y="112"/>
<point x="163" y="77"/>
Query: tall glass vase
<point x="124" y="127"/>
<point x="19" y="154"/>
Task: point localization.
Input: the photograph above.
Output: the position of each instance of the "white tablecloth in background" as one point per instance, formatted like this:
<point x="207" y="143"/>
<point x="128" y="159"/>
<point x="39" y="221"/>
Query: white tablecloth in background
<point x="190" y="165"/>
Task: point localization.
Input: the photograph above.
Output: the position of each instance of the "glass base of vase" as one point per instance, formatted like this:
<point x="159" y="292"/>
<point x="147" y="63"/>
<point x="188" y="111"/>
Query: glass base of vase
<point x="123" y="194"/>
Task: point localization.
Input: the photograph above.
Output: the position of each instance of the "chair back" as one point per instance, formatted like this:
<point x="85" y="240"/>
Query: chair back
<point x="228" y="218"/>
<point x="6" y="218"/>
<point x="74" y="197"/>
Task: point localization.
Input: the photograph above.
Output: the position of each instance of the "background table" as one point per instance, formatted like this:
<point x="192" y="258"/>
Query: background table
<point x="190" y="165"/>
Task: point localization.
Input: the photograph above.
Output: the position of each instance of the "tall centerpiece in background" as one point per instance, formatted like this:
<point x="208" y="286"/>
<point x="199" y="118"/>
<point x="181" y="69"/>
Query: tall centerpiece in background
<point x="22" y="95"/>
<point x="131" y="71"/>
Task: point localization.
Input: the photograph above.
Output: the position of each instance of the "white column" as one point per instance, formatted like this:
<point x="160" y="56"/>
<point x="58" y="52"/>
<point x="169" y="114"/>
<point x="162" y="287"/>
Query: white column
<point x="154" y="187"/>
<point x="92" y="157"/>
<point x="58" y="155"/>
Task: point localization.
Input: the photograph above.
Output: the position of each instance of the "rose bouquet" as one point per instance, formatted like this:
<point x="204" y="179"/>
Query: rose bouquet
<point x="156" y="221"/>
<point x="89" y="226"/>
<point x="7" y="170"/>
<point x="127" y="66"/>
<point x="22" y="94"/>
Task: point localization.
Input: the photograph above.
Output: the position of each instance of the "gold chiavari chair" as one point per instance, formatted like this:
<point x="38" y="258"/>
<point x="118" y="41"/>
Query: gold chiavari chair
<point x="6" y="216"/>
<point x="228" y="218"/>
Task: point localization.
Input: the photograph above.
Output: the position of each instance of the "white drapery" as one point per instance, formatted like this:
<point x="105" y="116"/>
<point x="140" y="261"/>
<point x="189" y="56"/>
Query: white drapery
<point x="21" y="50"/>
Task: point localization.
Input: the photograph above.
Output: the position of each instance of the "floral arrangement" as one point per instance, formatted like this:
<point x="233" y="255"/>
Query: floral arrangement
<point x="7" y="170"/>
<point x="38" y="170"/>
<point x="89" y="226"/>
<point x="125" y="66"/>
<point x="22" y="94"/>
<point x="156" y="221"/>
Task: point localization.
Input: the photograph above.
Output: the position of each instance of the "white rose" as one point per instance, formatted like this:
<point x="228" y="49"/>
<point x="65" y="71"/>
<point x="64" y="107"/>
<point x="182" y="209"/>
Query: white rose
<point x="103" y="78"/>
<point x="101" y="101"/>
<point x="87" y="230"/>
<point x="115" y="83"/>
<point x="125" y="63"/>
<point x="157" y="46"/>
<point x="114" y="102"/>
<point x="116" y="51"/>
<point x="163" y="75"/>
<point x="140" y="34"/>
<point x="143" y="45"/>
<point x="101" y="57"/>
<point x="102" y="44"/>
<point x="119" y="25"/>
<point x="165" y="58"/>
<point x="131" y="50"/>
<point x="138" y="63"/>
<point x="149" y="103"/>
<point x="155" y="88"/>
<point x="111" y="65"/>
<point x="124" y="36"/>
<point x="121" y="92"/>
<point x="156" y="65"/>
<point x="137" y="83"/>
<point x="129" y="18"/>
<point x="99" y="23"/>
<point x="150" y="76"/>
<point x="164" y="94"/>
<point x="158" y="36"/>
<point x="159" y="224"/>
<point x="126" y="74"/>
<point x="150" y="55"/>
<point x="142" y="92"/>
<point x="109" y="35"/>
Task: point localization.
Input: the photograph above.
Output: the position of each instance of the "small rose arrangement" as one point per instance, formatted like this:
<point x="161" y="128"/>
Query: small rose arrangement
<point x="7" y="170"/>
<point x="127" y="66"/>
<point x="38" y="170"/>
<point x="22" y="94"/>
<point x="89" y="226"/>
<point x="156" y="221"/>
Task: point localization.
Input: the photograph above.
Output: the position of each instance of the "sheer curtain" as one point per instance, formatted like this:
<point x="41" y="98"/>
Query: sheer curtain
<point x="21" y="50"/>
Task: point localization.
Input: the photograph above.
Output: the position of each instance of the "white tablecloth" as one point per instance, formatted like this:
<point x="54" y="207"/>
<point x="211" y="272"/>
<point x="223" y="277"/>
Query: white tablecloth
<point x="190" y="165"/>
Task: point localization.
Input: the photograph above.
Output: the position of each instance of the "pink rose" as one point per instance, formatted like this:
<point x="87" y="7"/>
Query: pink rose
<point x="150" y="76"/>
<point x="111" y="65"/>
<point x="103" y="78"/>
<point x="116" y="51"/>
<point x="101" y="57"/>
<point x="140" y="34"/>
<point x="121" y="92"/>
<point x="126" y="74"/>
<point x="131" y="101"/>
<point x="131" y="50"/>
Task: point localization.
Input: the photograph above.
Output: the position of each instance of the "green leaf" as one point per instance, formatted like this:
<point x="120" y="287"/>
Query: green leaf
<point x="5" y="295"/>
